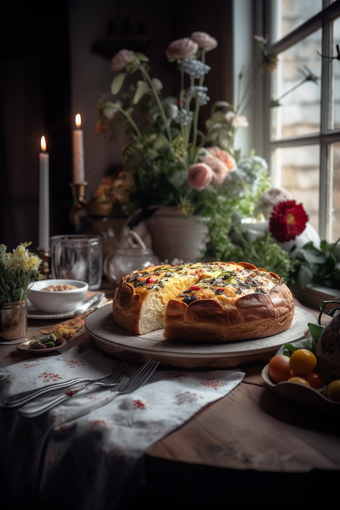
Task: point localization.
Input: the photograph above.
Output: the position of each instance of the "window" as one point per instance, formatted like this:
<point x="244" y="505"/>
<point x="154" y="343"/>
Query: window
<point x="303" y="133"/>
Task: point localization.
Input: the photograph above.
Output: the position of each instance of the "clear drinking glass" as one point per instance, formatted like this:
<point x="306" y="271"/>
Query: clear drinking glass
<point x="77" y="257"/>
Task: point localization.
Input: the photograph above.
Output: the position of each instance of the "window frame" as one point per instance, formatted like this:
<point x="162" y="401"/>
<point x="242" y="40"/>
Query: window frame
<point x="321" y="20"/>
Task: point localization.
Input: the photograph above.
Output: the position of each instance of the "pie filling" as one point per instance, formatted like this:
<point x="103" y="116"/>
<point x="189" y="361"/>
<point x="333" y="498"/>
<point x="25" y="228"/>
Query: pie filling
<point x="192" y="282"/>
<point x="148" y="296"/>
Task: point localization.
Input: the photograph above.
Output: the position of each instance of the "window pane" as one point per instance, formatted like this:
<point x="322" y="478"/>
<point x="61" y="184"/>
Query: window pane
<point x="297" y="169"/>
<point x="289" y="14"/>
<point x="334" y="159"/>
<point x="336" y="76"/>
<point x="299" y="113"/>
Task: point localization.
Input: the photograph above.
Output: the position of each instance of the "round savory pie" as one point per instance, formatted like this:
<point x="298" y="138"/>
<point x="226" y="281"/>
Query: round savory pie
<point x="204" y="302"/>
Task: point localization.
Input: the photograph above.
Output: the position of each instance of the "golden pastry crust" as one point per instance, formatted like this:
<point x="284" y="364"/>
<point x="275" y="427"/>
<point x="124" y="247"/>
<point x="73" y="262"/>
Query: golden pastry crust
<point x="127" y="307"/>
<point x="212" y="302"/>
<point x="252" y="316"/>
<point x="139" y="303"/>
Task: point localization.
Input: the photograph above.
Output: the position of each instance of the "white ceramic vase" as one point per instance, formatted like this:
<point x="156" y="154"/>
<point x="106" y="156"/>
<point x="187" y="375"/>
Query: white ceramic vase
<point x="176" y="236"/>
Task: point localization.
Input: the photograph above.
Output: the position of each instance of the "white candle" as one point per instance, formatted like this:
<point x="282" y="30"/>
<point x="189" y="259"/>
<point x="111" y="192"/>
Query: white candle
<point x="78" y="153"/>
<point x="44" y="206"/>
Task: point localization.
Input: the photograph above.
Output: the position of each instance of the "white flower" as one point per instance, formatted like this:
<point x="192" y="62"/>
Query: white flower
<point x="110" y="109"/>
<point x="240" y="121"/>
<point x="172" y="111"/>
<point x="230" y="115"/>
<point x="157" y="84"/>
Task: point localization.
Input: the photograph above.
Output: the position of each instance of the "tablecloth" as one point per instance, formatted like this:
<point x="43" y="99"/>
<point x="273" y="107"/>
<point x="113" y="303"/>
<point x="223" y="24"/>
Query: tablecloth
<point x="95" y="462"/>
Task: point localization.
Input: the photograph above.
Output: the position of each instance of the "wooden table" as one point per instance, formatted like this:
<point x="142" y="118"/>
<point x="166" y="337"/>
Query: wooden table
<point x="250" y="449"/>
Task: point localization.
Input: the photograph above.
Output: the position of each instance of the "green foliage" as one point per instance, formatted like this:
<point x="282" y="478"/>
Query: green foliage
<point x="117" y="83"/>
<point x="142" y="88"/>
<point x="317" y="266"/>
<point x="315" y="330"/>
<point x="310" y="342"/>
<point x="263" y="252"/>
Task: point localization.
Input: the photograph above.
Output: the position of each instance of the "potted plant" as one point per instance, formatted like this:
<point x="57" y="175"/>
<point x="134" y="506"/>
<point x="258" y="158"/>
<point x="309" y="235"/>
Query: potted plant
<point x="17" y="270"/>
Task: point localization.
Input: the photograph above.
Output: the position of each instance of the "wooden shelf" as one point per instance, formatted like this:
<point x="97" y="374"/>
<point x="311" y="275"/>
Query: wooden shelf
<point x="311" y="296"/>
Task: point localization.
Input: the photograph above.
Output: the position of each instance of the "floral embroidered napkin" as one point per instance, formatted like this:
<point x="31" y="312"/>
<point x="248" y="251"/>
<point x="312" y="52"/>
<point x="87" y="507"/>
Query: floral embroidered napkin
<point x="97" y="460"/>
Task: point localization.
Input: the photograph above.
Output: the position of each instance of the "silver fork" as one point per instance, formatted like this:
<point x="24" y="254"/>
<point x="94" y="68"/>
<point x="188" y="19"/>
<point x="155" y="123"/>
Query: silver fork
<point x="35" y="409"/>
<point x="126" y="386"/>
<point x="23" y="398"/>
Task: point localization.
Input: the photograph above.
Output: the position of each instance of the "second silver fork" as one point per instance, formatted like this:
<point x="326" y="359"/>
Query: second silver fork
<point x="26" y="397"/>
<point x="125" y="386"/>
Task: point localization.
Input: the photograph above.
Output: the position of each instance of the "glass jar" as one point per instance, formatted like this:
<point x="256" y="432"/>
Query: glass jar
<point x="128" y="257"/>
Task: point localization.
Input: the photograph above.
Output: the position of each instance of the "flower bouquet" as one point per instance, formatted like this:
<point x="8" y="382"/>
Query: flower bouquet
<point x="169" y="161"/>
<point x="17" y="270"/>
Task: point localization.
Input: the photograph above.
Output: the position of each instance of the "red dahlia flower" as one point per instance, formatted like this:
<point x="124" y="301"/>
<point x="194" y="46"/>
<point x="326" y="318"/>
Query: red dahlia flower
<point x="287" y="221"/>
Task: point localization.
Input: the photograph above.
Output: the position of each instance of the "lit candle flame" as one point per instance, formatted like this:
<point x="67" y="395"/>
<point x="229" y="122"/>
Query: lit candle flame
<point x="78" y="120"/>
<point x="43" y="144"/>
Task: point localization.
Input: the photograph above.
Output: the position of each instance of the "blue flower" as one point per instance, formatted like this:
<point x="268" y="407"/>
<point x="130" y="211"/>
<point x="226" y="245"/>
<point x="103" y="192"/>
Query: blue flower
<point x="183" y="117"/>
<point x="194" y="68"/>
<point x="200" y="93"/>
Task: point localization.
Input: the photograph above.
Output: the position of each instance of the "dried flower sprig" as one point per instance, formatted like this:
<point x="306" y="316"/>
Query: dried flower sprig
<point x="307" y="74"/>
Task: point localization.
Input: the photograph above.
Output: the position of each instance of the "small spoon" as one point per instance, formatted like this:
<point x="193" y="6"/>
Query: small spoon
<point x="97" y="298"/>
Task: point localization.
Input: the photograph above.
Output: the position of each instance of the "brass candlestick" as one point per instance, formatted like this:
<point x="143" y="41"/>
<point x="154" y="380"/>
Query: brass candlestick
<point x="78" y="192"/>
<point x="45" y="266"/>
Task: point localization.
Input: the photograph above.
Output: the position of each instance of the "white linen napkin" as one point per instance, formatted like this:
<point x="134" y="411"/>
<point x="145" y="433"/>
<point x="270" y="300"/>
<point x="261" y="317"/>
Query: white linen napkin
<point x="95" y="461"/>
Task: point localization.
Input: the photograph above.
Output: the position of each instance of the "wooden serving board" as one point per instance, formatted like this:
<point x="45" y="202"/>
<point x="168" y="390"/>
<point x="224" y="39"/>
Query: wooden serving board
<point x="112" y="339"/>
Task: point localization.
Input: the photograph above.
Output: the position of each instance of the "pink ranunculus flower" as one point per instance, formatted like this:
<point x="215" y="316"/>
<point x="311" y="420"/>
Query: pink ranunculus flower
<point x="204" y="40"/>
<point x="199" y="176"/>
<point x="224" y="156"/>
<point x="120" y="59"/>
<point x="219" y="169"/>
<point x="182" y="48"/>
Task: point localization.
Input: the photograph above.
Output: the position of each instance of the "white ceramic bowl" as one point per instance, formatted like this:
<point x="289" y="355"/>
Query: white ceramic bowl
<point x="60" y="301"/>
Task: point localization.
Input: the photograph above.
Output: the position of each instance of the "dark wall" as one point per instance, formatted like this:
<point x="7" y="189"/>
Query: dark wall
<point x="34" y="101"/>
